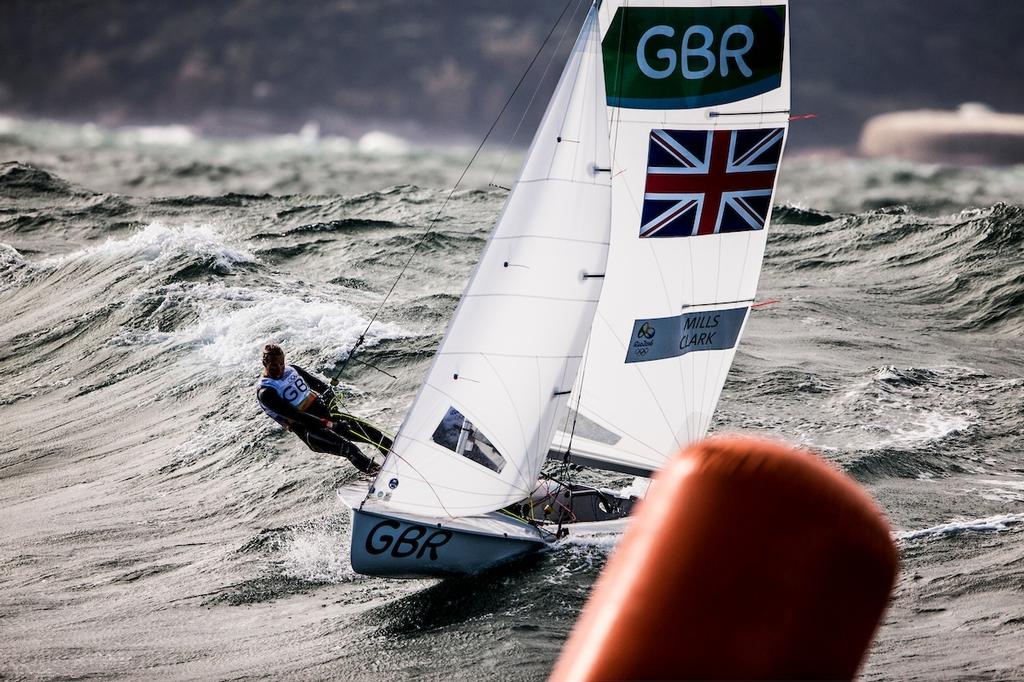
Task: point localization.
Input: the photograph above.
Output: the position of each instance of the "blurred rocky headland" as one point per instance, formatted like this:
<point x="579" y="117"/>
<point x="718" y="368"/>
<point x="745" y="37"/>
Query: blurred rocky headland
<point x="972" y="134"/>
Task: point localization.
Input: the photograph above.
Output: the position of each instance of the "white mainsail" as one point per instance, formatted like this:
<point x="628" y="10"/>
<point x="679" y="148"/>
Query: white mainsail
<point x="699" y="99"/>
<point x="479" y="428"/>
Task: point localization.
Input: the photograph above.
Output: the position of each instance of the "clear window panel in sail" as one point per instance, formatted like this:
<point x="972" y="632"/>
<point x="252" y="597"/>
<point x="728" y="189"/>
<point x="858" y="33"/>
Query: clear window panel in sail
<point x="458" y="434"/>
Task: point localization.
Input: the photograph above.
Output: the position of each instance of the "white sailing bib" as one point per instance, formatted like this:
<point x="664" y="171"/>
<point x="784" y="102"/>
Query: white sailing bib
<point x="291" y="387"/>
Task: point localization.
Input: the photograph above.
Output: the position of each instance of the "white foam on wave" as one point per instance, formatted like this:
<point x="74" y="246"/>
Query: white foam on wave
<point x="132" y="338"/>
<point x="913" y="429"/>
<point x="316" y="552"/>
<point x="602" y="541"/>
<point x="307" y="140"/>
<point x="1002" y="490"/>
<point x="580" y="554"/>
<point x="638" y="487"/>
<point x="900" y="417"/>
<point x="231" y="335"/>
<point x="187" y="296"/>
<point x="999" y="483"/>
<point x="379" y="143"/>
<point x="175" y="135"/>
<point x="51" y="133"/>
<point x="991" y="524"/>
<point x="924" y="427"/>
<point x="157" y="243"/>
<point x="10" y="258"/>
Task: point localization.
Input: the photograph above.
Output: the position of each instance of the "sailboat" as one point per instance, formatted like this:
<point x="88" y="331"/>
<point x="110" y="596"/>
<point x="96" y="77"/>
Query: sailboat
<point x="604" y="313"/>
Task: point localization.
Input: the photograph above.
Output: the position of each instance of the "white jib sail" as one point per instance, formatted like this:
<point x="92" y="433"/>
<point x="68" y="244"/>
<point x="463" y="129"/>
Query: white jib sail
<point x="479" y="429"/>
<point x="699" y="98"/>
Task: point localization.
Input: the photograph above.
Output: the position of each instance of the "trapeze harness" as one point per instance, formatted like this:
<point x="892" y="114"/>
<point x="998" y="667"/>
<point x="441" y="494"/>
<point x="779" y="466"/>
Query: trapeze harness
<point x="311" y="426"/>
<point x="292" y="388"/>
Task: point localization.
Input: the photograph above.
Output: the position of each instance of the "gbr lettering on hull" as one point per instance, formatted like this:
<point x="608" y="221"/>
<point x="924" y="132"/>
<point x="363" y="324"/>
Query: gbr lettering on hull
<point x="415" y="541"/>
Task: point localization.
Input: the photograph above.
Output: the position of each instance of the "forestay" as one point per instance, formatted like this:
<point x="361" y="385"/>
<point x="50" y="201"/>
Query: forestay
<point x="479" y="429"/>
<point x="699" y="97"/>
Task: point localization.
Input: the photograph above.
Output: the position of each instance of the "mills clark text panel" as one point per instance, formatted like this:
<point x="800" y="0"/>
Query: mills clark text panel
<point x="670" y="337"/>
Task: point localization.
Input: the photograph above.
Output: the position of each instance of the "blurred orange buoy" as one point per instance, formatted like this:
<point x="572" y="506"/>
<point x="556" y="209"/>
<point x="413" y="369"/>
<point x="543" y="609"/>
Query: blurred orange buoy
<point x="748" y="560"/>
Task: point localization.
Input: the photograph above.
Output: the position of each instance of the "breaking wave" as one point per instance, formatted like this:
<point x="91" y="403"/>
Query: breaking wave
<point x="991" y="524"/>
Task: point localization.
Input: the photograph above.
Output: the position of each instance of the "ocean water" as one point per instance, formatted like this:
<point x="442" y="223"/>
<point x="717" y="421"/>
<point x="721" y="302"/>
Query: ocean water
<point x="156" y="525"/>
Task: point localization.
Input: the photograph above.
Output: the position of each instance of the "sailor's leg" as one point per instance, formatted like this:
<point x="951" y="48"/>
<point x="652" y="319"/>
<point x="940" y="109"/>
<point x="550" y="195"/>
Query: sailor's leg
<point x="328" y="441"/>
<point x="357" y="430"/>
<point x="358" y="459"/>
<point x="314" y="443"/>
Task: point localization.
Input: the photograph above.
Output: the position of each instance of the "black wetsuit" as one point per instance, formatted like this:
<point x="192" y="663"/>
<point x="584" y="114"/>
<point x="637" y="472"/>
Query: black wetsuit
<point x="308" y="425"/>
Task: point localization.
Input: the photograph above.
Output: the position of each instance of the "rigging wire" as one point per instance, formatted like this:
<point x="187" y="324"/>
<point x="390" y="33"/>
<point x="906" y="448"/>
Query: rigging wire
<point x="430" y="225"/>
<point x="533" y="96"/>
<point x="614" y="139"/>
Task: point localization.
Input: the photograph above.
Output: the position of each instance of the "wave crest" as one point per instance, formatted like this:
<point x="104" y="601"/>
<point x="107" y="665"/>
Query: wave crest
<point x="158" y="245"/>
<point x="19" y="180"/>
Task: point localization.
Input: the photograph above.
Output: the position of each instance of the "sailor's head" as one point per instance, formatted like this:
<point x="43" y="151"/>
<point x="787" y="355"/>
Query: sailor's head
<point x="273" y="360"/>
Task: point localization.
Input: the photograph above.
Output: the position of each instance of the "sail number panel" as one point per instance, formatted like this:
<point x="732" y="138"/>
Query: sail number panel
<point x="692" y="57"/>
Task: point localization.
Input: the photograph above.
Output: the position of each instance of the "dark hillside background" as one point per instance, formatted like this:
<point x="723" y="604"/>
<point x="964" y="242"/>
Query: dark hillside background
<point x="444" y="67"/>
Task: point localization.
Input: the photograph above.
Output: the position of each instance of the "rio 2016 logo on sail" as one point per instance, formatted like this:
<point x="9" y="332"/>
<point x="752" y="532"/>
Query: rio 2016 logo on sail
<point x="692" y="57"/>
<point x="407" y="543"/>
<point x="643" y="340"/>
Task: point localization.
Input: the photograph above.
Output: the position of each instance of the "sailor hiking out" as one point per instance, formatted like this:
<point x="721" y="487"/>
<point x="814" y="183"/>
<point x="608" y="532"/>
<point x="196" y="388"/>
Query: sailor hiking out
<point x="301" y="403"/>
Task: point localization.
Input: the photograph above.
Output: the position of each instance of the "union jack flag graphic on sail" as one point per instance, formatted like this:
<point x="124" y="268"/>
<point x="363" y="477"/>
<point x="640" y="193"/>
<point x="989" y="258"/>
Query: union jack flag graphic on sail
<point x="708" y="182"/>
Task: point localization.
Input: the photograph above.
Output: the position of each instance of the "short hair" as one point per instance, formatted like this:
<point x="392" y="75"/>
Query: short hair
<point x="271" y="351"/>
